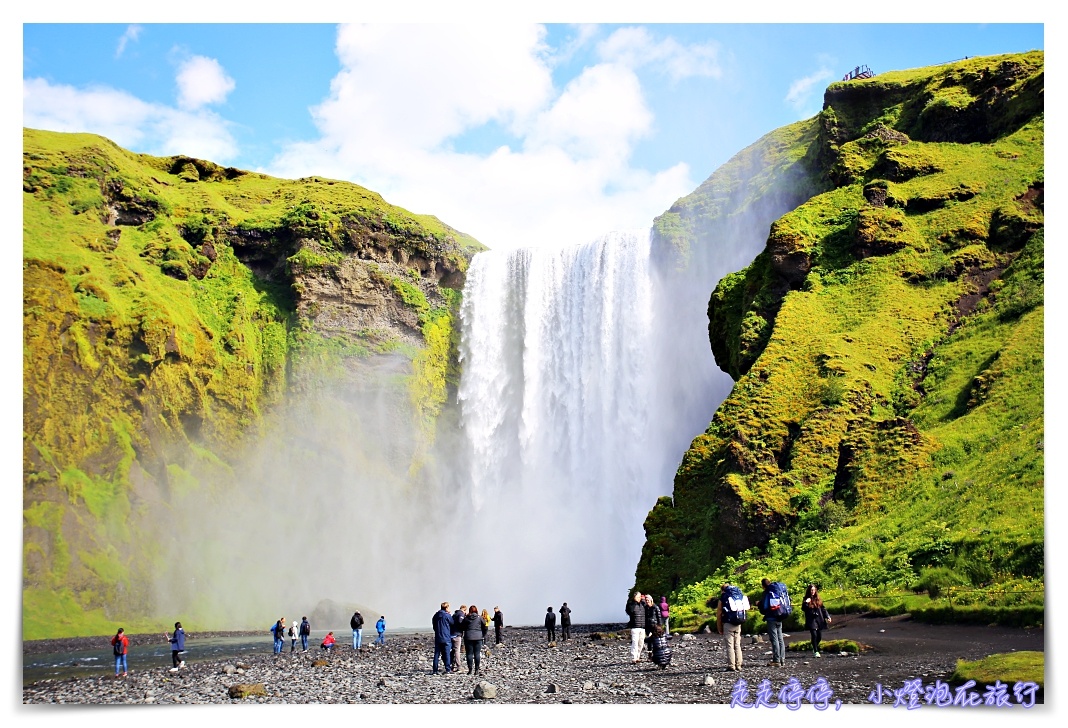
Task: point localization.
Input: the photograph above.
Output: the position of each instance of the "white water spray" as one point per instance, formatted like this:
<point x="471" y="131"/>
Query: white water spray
<point x="566" y="404"/>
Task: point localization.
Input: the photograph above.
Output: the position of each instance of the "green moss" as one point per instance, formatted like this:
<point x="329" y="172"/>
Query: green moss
<point x="1008" y="667"/>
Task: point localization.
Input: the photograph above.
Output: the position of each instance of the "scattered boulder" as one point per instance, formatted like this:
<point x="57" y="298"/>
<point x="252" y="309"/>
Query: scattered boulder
<point x="690" y="637"/>
<point x="756" y="639"/>
<point x="229" y="669"/>
<point x="709" y="680"/>
<point x="320" y="663"/>
<point x="588" y="685"/>
<point x="485" y="691"/>
<point x="552" y="688"/>
<point x="243" y="690"/>
<point x="706" y="630"/>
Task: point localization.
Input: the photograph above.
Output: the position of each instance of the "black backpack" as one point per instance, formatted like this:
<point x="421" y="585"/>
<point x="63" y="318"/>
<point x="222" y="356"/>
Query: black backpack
<point x="117" y="648"/>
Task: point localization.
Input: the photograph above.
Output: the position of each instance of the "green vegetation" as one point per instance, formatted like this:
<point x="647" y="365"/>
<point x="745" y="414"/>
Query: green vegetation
<point x="167" y="305"/>
<point x="1008" y="667"/>
<point x="831" y="647"/>
<point x="884" y="436"/>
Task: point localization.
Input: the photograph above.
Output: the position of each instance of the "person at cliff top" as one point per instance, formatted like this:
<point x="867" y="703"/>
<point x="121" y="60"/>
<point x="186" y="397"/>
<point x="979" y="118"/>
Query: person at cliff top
<point x="328" y="642"/>
<point x="458" y="636"/>
<point x="664" y="614"/>
<point x="356" y="624"/>
<point x="380" y="625"/>
<point x="177" y="640"/>
<point x="279" y="633"/>
<point x="119" y="646"/>
<point x="565" y="621"/>
<point x="636" y="625"/>
<point x="305" y="632"/>
<point x="816" y="616"/>
<point x="498" y="624"/>
<point x="442" y="624"/>
<point x="550" y="625"/>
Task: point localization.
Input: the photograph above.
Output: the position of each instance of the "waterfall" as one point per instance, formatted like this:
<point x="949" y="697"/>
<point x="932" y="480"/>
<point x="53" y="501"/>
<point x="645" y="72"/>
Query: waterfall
<point x="569" y="408"/>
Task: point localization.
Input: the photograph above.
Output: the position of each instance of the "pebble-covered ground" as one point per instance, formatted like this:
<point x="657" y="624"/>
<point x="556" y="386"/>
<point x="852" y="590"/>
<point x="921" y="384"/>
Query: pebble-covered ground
<point x="593" y="667"/>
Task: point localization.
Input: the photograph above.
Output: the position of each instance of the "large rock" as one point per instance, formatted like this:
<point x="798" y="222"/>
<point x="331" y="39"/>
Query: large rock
<point x="485" y="691"/>
<point x="243" y="690"/>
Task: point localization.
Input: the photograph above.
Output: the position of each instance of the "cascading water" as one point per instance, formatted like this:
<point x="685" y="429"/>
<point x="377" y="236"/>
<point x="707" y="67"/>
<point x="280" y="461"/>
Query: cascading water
<point x="566" y="406"/>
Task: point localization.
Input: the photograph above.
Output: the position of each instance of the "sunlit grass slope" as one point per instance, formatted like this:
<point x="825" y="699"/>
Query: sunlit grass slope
<point x="885" y="432"/>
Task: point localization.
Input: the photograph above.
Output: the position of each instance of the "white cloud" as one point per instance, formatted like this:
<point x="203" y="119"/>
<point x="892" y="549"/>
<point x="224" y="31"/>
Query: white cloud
<point x="636" y="47"/>
<point x="202" y="81"/>
<point x="406" y="94"/>
<point x="126" y="120"/>
<point x="802" y="91"/>
<point x="131" y="34"/>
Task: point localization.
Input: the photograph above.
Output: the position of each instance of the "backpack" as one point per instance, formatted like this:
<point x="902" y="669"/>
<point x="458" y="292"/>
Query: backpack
<point x="305" y="628"/>
<point x="735" y="604"/>
<point x="117" y="648"/>
<point x="779" y="601"/>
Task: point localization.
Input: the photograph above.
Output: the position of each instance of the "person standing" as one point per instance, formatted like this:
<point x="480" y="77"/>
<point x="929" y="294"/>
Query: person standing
<point x="816" y="616"/>
<point x="120" y="644"/>
<point x="775" y="606"/>
<point x="485" y="625"/>
<point x="458" y="618"/>
<point x="730" y="615"/>
<point x="305" y="632"/>
<point x="550" y="624"/>
<point x="356" y="623"/>
<point x="636" y="625"/>
<point x="498" y="625"/>
<point x="652" y="615"/>
<point x="664" y="614"/>
<point x="177" y="640"/>
<point x="380" y="626"/>
<point x="565" y="621"/>
<point x="279" y="633"/>
<point x="442" y="624"/>
<point x="293" y="636"/>
<point x="473" y="639"/>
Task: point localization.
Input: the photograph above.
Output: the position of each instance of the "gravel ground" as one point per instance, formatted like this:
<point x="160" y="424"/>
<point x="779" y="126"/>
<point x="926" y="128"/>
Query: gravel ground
<point x="593" y="667"/>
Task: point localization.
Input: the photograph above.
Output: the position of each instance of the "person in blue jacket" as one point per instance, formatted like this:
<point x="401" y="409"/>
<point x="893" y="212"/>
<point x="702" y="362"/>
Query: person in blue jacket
<point x="279" y="632"/>
<point x="442" y="624"/>
<point x="177" y="640"/>
<point x="380" y="625"/>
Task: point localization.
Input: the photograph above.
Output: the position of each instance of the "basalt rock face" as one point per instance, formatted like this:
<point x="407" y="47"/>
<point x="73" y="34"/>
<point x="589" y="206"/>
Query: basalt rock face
<point x="169" y="305"/>
<point x="868" y="343"/>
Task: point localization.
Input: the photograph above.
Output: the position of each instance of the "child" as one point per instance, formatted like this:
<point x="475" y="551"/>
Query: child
<point x="659" y="650"/>
<point x="328" y="642"/>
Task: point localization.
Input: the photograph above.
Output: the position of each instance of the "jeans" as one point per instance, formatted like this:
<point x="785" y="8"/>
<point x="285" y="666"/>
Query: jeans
<point x="293" y="644"/>
<point x="636" y="638"/>
<point x="304" y="642"/>
<point x="278" y="642"/>
<point x="120" y="661"/>
<point x="357" y="639"/>
<point x="732" y="637"/>
<point x="778" y="646"/>
<point x="381" y="638"/>
<point x="474" y="652"/>
<point x="443" y="649"/>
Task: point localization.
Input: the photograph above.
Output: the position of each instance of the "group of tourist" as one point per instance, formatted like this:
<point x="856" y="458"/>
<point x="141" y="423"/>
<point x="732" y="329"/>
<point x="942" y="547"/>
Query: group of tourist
<point x="649" y="630"/>
<point x="774" y="605"/>
<point x="465" y="629"/>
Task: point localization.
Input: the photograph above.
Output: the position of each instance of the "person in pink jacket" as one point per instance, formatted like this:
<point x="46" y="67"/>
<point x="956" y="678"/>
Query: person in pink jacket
<point x="664" y="615"/>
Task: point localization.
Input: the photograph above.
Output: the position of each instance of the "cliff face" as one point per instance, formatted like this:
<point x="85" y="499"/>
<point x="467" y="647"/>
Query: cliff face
<point x="887" y="422"/>
<point x="169" y="303"/>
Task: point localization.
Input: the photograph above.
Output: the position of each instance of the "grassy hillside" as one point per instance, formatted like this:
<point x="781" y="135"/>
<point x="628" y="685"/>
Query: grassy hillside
<point x="166" y="302"/>
<point x="885" y="432"/>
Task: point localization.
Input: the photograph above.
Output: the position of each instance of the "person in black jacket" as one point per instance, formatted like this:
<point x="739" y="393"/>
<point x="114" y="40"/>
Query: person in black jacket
<point x="652" y="615"/>
<point x="816" y="616"/>
<point x="356" y="623"/>
<point x="473" y="638"/>
<point x="636" y="625"/>
<point x="498" y="624"/>
<point x="565" y="621"/>
<point x="305" y="632"/>
<point x="550" y="625"/>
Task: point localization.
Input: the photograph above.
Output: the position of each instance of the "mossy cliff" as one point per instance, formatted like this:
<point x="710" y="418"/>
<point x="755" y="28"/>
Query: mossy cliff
<point x="169" y="303"/>
<point x="885" y="430"/>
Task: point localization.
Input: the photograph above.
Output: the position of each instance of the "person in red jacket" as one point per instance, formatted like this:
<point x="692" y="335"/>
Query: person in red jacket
<point x="328" y="642"/>
<point x="120" y="644"/>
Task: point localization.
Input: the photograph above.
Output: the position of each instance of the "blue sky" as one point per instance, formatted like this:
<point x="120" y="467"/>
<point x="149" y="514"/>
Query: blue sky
<point x="517" y="134"/>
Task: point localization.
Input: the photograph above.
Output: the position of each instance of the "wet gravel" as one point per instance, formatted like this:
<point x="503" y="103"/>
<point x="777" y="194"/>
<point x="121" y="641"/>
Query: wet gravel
<point x="593" y="667"/>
